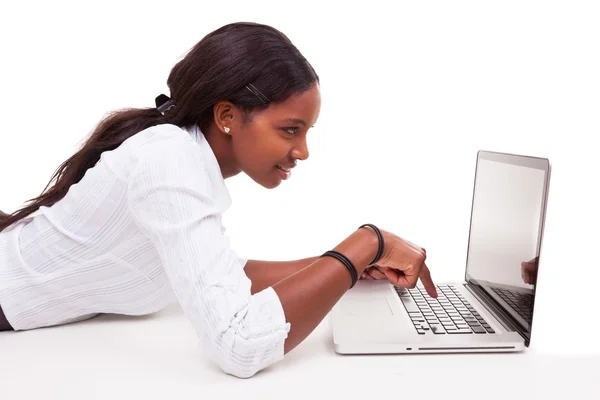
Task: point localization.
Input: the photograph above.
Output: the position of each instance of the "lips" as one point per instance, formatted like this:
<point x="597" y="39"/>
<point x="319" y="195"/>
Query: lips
<point x="284" y="168"/>
<point x="285" y="171"/>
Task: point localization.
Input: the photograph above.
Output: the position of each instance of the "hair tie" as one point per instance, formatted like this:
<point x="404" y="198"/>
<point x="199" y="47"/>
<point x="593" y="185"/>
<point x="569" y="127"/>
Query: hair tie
<point x="163" y="103"/>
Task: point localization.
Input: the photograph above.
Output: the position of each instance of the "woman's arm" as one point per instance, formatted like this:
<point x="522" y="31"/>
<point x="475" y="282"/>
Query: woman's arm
<point x="309" y="294"/>
<point x="309" y="288"/>
<point x="267" y="273"/>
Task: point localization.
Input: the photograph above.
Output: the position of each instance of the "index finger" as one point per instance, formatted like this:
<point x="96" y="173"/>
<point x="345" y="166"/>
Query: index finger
<point x="427" y="282"/>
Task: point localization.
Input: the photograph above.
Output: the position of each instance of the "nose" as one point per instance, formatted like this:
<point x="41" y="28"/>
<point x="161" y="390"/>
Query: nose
<point x="300" y="151"/>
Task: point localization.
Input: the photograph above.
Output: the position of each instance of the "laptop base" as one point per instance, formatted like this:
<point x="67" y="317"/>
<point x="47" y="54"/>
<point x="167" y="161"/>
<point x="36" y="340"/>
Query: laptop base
<point x="372" y="319"/>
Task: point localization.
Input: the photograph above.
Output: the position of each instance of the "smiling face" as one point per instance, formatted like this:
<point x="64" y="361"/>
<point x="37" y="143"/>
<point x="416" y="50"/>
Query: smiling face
<point x="268" y="145"/>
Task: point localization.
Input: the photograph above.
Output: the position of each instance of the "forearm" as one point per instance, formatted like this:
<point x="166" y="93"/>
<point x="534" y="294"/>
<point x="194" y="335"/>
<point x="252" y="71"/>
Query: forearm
<point x="267" y="273"/>
<point x="309" y="294"/>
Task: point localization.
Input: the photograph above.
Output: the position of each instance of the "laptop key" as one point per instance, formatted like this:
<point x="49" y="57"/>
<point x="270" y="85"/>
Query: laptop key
<point x="410" y="305"/>
<point x="478" y="329"/>
<point x="438" y="330"/>
<point x="460" y="331"/>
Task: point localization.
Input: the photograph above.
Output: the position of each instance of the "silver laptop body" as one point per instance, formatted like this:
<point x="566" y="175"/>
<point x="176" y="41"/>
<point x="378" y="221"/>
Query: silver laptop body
<point x="491" y="309"/>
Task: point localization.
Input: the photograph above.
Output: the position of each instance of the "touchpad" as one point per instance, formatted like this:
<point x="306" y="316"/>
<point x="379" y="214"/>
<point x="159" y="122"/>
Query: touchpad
<point x="368" y="308"/>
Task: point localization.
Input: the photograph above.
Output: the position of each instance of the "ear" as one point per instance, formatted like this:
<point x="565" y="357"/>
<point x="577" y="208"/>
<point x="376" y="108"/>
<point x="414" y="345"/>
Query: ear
<point x="224" y="113"/>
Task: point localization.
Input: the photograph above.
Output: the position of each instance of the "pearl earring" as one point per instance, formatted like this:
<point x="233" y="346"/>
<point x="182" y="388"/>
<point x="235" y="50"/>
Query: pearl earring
<point x="227" y="129"/>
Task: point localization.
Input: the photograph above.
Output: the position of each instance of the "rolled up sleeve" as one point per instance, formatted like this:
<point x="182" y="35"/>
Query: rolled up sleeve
<point x="172" y="199"/>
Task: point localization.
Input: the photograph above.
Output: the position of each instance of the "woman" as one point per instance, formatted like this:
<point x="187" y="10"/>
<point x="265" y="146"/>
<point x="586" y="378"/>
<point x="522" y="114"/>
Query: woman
<point x="134" y="217"/>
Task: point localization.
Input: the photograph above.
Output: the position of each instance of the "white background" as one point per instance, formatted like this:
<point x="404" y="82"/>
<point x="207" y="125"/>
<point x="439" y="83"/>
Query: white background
<point x="410" y="93"/>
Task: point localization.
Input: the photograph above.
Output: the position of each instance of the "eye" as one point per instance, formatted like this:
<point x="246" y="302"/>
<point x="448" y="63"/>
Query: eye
<point x="291" y="130"/>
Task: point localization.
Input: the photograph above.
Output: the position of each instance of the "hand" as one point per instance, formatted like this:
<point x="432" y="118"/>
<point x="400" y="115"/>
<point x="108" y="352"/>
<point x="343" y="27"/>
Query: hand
<point x="373" y="272"/>
<point x="529" y="271"/>
<point x="402" y="263"/>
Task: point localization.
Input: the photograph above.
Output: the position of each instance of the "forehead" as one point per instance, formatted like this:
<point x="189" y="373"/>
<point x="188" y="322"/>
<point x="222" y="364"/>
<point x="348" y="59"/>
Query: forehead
<point x="305" y="106"/>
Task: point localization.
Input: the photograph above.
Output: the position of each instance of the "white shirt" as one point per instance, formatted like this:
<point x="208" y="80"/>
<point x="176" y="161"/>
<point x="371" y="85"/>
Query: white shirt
<point x="142" y="227"/>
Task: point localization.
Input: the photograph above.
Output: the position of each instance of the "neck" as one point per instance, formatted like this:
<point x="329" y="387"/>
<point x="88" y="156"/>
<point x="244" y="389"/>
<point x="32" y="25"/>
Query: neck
<point x="221" y="147"/>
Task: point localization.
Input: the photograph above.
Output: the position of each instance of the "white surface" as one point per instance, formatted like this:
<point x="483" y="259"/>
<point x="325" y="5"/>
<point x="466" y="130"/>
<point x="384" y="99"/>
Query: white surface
<point x="157" y="358"/>
<point x="410" y="93"/>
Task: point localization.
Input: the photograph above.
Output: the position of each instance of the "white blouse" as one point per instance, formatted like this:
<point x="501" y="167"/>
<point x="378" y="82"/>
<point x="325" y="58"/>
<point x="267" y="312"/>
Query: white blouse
<point x="143" y="225"/>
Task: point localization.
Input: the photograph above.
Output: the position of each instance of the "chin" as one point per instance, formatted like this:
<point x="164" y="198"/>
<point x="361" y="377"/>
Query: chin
<point x="267" y="181"/>
<point x="270" y="184"/>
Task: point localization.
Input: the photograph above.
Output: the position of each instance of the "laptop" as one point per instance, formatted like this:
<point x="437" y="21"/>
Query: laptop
<point x="491" y="308"/>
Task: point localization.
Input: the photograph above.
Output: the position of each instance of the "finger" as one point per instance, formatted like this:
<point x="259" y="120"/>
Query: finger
<point x="377" y="274"/>
<point x="427" y="281"/>
<point x="381" y="269"/>
<point x="528" y="267"/>
<point x="398" y="278"/>
<point x="530" y="277"/>
<point x="393" y="277"/>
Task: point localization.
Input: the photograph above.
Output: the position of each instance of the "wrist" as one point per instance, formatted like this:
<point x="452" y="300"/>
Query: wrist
<point x="360" y="248"/>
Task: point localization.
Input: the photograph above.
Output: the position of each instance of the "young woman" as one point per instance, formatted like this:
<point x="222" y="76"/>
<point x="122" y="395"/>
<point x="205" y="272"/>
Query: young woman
<point x="134" y="217"/>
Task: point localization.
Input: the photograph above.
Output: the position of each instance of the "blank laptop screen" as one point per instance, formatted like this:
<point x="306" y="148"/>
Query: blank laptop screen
<point x="506" y="222"/>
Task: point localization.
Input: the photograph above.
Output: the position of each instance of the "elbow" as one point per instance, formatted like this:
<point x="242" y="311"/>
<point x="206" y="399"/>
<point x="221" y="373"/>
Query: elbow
<point x="251" y="339"/>
<point x="237" y="370"/>
<point x="245" y="357"/>
<point x="242" y="365"/>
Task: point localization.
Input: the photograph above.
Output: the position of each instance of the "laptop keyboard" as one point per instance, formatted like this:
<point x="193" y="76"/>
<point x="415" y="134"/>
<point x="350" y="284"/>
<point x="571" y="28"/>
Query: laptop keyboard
<point x="522" y="303"/>
<point x="450" y="313"/>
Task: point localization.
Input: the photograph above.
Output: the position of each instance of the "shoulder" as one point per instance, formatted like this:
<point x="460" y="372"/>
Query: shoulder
<point x="167" y="153"/>
<point x="169" y="160"/>
<point x="163" y="134"/>
<point x="165" y="143"/>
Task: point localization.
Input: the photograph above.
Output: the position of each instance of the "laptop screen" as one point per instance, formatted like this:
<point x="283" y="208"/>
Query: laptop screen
<point x="507" y="217"/>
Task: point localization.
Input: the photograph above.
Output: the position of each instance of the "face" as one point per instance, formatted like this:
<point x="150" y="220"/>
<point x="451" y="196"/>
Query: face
<point x="268" y="146"/>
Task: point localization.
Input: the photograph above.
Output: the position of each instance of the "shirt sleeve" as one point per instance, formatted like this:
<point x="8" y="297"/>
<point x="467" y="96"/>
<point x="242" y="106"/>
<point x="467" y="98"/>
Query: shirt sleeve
<point x="172" y="200"/>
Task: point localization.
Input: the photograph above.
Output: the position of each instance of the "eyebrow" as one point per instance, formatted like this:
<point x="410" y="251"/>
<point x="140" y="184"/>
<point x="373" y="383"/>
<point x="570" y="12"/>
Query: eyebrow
<point x="297" y="121"/>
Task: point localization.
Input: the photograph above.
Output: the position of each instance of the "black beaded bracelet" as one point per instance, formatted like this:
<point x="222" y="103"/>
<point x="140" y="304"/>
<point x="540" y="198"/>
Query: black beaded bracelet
<point x="344" y="260"/>
<point x="381" y="244"/>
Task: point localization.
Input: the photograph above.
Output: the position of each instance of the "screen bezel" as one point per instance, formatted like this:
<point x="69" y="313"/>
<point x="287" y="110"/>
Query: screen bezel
<point x="525" y="161"/>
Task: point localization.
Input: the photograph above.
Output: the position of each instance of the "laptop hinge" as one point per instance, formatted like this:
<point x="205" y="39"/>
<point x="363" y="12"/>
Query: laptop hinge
<point x="502" y="316"/>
